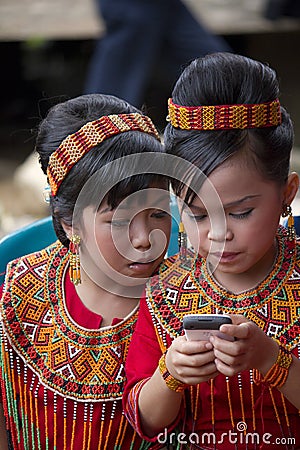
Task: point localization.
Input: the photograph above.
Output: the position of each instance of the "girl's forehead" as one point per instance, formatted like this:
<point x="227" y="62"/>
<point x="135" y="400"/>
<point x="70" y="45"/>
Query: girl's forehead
<point x="231" y="182"/>
<point x="152" y="196"/>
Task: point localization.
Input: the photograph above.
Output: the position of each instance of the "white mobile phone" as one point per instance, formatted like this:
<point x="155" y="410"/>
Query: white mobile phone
<point x="199" y="327"/>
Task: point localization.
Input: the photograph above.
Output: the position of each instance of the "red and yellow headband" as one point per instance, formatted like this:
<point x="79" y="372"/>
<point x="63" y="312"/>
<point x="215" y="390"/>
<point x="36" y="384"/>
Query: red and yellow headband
<point x="76" y="145"/>
<point x="224" y="117"/>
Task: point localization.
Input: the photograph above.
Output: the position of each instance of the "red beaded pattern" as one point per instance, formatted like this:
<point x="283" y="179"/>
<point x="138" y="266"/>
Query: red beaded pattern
<point x="224" y="117"/>
<point x="76" y="145"/>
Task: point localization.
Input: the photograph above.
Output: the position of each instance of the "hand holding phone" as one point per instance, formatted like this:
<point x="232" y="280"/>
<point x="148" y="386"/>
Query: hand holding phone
<point x="199" y="327"/>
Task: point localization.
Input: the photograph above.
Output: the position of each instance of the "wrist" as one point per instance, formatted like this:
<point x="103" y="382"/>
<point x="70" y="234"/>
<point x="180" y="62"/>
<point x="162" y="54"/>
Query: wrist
<point x="277" y="375"/>
<point x="170" y="381"/>
<point x="269" y="356"/>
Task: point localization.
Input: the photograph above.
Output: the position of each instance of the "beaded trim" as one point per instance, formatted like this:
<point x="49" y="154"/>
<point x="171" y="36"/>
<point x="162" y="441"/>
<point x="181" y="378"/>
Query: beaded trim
<point x="224" y="117"/>
<point x="278" y="373"/>
<point x="103" y="377"/>
<point x="76" y="145"/>
<point x="171" y="382"/>
<point x="186" y="287"/>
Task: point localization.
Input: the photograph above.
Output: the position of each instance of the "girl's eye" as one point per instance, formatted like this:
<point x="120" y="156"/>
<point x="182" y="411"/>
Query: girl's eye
<point x="197" y="218"/>
<point x="160" y="214"/>
<point x="119" y="223"/>
<point x="242" y="215"/>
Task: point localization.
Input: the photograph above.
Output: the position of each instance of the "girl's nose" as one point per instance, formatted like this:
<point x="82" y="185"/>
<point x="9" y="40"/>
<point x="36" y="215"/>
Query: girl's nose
<point x="139" y="234"/>
<point x="220" y="234"/>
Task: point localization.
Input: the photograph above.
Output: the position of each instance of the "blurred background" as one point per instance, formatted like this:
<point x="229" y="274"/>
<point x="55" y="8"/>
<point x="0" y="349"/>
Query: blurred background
<point x="46" y="48"/>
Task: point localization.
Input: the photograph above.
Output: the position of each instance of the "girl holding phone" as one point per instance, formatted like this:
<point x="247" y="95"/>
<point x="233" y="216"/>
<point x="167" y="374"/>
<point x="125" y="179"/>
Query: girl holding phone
<point x="225" y="118"/>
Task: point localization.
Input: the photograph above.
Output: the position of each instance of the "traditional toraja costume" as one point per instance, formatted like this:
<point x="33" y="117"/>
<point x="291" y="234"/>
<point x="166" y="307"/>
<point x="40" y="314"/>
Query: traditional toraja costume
<point x="223" y="405"/>
<point x="246" y="411"/>
<point x="61" y="383"/>
<point x="62" y="375"/>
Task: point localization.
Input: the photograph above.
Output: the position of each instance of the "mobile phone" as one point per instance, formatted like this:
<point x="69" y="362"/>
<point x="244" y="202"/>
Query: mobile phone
<point x="199" y="327"/>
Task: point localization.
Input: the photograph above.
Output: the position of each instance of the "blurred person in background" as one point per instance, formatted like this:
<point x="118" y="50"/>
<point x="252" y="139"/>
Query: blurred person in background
<point x="146" y="41"/>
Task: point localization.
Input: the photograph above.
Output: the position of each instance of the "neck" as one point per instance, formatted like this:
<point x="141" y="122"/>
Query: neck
<point x="237" y="283"/>
<point x="108" y="305"/>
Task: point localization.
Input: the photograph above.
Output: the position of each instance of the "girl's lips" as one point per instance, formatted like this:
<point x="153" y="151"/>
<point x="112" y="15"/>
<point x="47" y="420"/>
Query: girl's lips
<point x="226" y="256"/>
<point x="141" y="266"/>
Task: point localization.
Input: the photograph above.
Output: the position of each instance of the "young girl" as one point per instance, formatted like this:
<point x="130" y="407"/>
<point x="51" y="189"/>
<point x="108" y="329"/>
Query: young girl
<point x="226" y="119"/>
<point x="68" y="311"/>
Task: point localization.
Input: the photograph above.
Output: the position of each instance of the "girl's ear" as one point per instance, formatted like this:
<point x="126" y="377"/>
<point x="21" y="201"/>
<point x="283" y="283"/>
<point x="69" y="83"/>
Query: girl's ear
<point x="67" y="229"/>
<point x="291" y="188"/>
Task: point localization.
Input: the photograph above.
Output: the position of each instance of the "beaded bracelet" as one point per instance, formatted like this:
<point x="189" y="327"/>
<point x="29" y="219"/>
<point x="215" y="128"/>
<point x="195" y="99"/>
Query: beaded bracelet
<point x="171" y="382"/>
<point x="278" y="373"/>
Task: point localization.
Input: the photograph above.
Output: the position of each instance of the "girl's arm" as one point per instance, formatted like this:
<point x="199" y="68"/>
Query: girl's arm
<point x="189" y="362"/>
<point x="150" y="405"/>
<point x="253" y="349"/>
<point x="158" y="405"/>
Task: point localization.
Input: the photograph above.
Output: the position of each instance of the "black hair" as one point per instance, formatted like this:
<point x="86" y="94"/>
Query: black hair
<point x="225" y="78"/>
<point x="68" y="117"/>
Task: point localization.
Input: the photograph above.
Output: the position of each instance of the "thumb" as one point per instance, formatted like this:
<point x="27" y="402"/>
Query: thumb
<point x="237" y="319"/>
<point x="240" y="329"/>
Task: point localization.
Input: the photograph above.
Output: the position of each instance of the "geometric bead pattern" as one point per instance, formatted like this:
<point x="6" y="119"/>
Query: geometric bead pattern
<point x="224" y="117"/>
<point x="77" y="363"/>
<point x="76" y="145"/>
<point x="274" y="305"/>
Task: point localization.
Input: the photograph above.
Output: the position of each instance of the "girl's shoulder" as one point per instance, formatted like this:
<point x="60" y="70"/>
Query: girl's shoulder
<point x="32" y="264"/>
<point x="35" y="257"/>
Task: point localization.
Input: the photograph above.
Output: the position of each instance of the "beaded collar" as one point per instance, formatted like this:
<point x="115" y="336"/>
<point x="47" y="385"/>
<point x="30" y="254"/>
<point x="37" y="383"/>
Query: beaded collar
<point x="184" y="287"/>
<point x="229" y="302"/>
<point x="74" y="361"/>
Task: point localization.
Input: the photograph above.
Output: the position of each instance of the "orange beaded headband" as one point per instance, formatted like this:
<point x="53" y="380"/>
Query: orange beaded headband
<point x="224" y="117"/>
<point x="76" y="145"/>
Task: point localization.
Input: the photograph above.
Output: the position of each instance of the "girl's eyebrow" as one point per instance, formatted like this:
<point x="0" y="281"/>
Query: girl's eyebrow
<point x="127" y="204"/>
<point x="105" y="210"/>
<point x="241" y="200"/>
<point x="227" y="205"/>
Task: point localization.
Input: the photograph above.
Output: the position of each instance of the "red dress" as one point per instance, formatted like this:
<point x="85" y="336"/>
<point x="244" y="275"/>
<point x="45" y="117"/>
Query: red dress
<point x="224" y="413"/>
<point x="62" y="378"/>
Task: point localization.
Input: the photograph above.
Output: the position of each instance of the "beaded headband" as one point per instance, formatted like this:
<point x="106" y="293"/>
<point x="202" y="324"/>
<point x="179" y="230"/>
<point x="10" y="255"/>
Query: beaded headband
<point x="76" y="145"/>
<point x="224" y="117"/>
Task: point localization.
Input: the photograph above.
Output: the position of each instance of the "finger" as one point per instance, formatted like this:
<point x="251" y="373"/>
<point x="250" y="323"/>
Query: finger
<point x="227" y="370"/>
<point x="192" y="376"/>
<point x="229" y="359"/>
<point x="198" y="360"/>
<point x="233" y="348"/>
<point x="237" y="319"/>
<point x="183" y="362"/>
<point x="241" y="331"/>
<point x="194" y="347"/>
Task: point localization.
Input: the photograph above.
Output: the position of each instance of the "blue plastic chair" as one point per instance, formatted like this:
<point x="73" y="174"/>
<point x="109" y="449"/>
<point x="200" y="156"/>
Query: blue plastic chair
<point x="173" y="244"/>
<point x="28" y="239"/>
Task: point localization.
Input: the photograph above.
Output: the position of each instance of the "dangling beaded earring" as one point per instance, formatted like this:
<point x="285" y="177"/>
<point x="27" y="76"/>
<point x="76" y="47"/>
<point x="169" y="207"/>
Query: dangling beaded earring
<point x="182" y="242"/>
<point x="291" y="226"/>
<point x="74" y="268"/>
